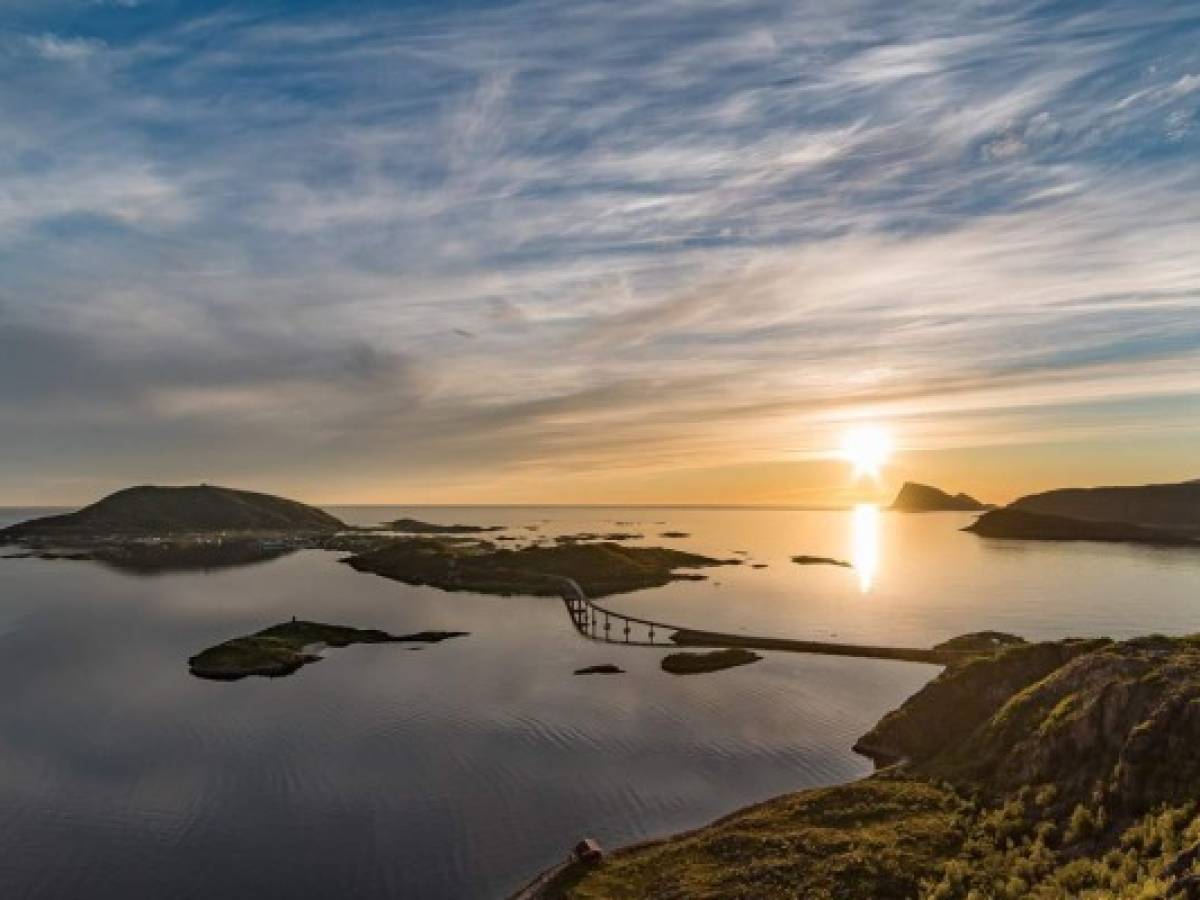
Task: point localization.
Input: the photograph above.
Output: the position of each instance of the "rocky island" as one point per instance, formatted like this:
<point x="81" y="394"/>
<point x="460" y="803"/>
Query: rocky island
<point x="713" y="661"/>
<point x="600" y="569"/>
<point x="282" y="649"/>
<point x="1057" y="770"/>
<point x="914" y="497"/>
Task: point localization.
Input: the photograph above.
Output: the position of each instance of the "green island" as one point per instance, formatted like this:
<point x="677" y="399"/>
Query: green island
<point x="282" y="649"/>
<point x="601" y="568"/>
<point x="1058" y="769"/>
<point x="713" y="661"/>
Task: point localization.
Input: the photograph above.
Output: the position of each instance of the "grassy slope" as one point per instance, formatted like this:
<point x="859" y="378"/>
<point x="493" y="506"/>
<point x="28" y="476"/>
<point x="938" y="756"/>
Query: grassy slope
<point x="1057" y="770"/>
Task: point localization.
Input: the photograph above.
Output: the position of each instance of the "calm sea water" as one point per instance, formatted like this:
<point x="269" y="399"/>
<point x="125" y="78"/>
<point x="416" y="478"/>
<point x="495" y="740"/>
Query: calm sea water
<point x="460" y="769"/>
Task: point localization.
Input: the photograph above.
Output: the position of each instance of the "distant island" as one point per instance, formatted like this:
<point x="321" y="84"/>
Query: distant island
<point x="1056" y="769"/>
<point x="600" y="569"/>
<point x="416" y="526"/>
<point x="914" y="497"/>
<point x="803" y="560"/>
<point x="282" y="649"/>
<point x="153" y="510"/>
<point x="152" y="529"/>
<point x="1160" y="514"/>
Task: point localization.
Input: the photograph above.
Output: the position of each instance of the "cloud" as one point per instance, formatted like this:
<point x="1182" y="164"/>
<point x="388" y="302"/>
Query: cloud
<point x="66" y="49"/>
<point x="674" y="232"/>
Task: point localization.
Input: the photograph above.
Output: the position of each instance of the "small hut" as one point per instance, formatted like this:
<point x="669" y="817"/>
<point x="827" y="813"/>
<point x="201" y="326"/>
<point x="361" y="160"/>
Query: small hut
<point x="588" y="851"/>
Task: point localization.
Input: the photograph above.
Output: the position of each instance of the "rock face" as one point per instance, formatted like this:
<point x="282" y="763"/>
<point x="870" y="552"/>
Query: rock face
<point x="962" y="698"/>
<point x="915" y="497"/>
<point x="1020" y="524"/>
<point x="1096" y="719"/>
<point x="150" y="510"/>
<point x="1173" y="506"/>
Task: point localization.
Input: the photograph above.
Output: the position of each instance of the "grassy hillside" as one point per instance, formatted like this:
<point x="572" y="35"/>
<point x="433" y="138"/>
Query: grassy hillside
<point x="1053" y="770"/>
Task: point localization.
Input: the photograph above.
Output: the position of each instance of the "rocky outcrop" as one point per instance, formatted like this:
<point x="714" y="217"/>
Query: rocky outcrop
<point x="915" y="497"/>
<point x="961" y="699"/>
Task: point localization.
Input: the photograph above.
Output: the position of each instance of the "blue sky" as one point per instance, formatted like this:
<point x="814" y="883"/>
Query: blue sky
<point x="589" y="251"/>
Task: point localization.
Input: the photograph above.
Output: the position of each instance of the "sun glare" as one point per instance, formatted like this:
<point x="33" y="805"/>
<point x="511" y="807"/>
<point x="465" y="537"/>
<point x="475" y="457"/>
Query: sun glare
<point x="867" y="448"/>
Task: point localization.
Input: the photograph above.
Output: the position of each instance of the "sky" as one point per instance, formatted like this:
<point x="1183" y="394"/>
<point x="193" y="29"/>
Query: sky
<point x="572" y="251"/>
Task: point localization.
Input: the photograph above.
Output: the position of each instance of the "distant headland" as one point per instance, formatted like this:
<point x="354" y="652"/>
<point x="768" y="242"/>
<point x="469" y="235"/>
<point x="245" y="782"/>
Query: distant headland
<point x="1161" y="514"/>
<point x="914" y="497"/>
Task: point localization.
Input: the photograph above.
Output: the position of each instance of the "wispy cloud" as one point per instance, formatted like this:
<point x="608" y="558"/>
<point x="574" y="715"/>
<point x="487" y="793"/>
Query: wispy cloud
<point x="675" y="233"/>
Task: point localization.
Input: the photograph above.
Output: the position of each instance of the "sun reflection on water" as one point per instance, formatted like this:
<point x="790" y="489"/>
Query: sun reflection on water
<point x="865" y="544"/>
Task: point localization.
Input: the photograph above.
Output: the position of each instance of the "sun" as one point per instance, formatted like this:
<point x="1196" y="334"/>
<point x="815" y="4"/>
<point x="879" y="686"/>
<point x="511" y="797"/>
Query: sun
<point x="867" y="448"/>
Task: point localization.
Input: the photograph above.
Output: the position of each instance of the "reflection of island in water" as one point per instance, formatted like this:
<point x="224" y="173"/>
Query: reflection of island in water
<point x="166" y="557"/>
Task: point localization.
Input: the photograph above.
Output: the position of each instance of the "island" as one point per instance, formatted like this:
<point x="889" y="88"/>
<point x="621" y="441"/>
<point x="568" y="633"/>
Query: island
<point x="602" y="669"/>
<point x="416" y="526"/>
<point x="1053" y="769"/>
<point x="1165" y="515"/>
<point x="600" y="569"/>
<point x="1163" y="506"/>
<point x="1013" y="523"/>
<point x="280" y="650"/>
<point x="150" y="530"/>
<point x="714" y="661"/>
<point x="820" y="561"/>
<point x="914" y="497"/>
<point x="150" y="510"/>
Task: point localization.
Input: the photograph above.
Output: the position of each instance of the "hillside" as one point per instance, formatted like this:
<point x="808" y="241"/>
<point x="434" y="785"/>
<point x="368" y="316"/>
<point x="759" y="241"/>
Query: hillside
<point x="914" y="497"/>
<point x="1156" y="505"/>
<point x="151" y="510"/>
<point x="1023" y="525"/>
<point x="1054" y="770"/>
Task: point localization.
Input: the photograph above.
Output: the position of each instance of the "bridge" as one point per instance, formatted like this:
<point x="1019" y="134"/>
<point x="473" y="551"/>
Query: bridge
<point x="598" y="623"/>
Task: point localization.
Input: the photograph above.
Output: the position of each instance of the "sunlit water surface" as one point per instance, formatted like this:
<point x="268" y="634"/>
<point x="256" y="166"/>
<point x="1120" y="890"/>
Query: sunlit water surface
<point x="459" y="769"/>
